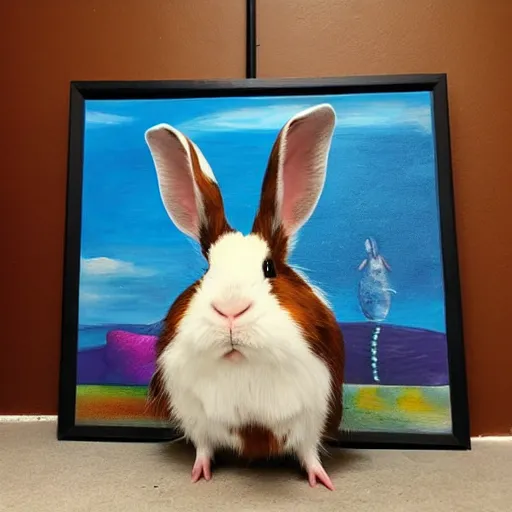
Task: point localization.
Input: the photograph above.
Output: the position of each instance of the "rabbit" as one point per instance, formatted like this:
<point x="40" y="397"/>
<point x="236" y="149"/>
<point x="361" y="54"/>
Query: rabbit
<point x="251" y="357"/>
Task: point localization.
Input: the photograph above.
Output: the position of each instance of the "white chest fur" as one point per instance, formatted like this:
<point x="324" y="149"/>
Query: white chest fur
<point x="211" y="397"/>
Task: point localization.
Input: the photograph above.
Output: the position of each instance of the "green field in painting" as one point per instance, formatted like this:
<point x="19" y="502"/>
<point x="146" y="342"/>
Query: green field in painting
<point x="397" y="409"/>
<point x="366" y="408"/>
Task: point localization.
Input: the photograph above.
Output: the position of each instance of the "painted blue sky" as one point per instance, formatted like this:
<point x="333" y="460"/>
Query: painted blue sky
<point x="380" y="183"/>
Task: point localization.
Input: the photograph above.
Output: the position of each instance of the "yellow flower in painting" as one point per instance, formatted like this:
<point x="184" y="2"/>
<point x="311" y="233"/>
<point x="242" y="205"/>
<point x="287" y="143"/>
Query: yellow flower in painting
<point x="368" y="398"/>
<point x="412" y="400"/>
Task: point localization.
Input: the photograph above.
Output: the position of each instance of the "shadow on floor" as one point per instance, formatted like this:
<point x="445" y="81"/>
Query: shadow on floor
<point x="335" y="461"/>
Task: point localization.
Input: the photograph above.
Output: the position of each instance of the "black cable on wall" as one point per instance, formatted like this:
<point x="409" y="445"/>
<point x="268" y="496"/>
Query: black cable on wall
<point x="250" y="69"/>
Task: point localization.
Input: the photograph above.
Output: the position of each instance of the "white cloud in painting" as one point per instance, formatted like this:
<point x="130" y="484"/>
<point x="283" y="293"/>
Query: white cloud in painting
<point x="273" y="117"/>
<point x="90" y="297"/>
<point x="94" y="295"/>
<point x="421" y="116"/>
<point x="248" y="118"/>
<point x="387" y="114"/>
<point x="108" y="267"/>
<point x="95" y="117"/>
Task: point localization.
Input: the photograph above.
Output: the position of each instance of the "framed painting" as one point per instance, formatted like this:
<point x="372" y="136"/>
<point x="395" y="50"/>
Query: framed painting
<point x="380" y="244"/>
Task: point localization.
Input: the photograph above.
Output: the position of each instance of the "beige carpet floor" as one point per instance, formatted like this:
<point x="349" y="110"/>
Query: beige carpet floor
<point x="40" y="474"/>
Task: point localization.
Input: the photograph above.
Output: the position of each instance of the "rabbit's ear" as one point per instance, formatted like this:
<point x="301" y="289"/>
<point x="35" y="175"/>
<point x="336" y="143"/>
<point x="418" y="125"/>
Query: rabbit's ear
<point x="187" y="185"/>
<point x="295" y="174"/>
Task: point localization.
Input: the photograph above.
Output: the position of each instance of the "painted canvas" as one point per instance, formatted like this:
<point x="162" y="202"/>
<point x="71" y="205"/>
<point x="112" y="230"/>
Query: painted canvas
<point x="373" y="245"/>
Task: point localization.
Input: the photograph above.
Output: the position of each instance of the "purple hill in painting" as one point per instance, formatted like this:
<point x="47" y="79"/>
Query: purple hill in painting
<point x="412" y="357"/>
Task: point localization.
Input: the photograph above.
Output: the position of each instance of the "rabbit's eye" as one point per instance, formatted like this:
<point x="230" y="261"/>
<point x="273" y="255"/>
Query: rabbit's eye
<point x="269" y="269"/>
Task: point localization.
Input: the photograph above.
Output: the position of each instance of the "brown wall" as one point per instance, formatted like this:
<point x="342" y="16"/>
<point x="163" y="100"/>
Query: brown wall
<point x="45" y="44"/>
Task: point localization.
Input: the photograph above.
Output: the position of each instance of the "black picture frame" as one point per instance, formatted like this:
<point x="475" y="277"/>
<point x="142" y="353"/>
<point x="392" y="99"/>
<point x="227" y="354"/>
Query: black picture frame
<point x="435" y="83"/>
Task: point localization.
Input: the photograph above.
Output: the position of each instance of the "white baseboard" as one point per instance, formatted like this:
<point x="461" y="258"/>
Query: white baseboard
<point x="26" y="418"/>
<point x="492" y="438"/>
<point x="30" y="418"/>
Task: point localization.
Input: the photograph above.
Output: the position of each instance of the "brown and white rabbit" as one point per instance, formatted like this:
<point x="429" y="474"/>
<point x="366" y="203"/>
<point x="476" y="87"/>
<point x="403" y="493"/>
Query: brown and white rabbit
<point x="251" y="357"/>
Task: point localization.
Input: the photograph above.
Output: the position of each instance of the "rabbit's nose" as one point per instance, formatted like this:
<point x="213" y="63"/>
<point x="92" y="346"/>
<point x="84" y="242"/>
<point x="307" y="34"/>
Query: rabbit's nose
<point x="232" y="310"/>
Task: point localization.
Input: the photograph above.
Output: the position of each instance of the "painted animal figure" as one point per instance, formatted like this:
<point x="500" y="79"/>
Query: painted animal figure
<point x="374" y="295"/>
<point x="251" y="356"/>
<point x="374" y="290"/>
